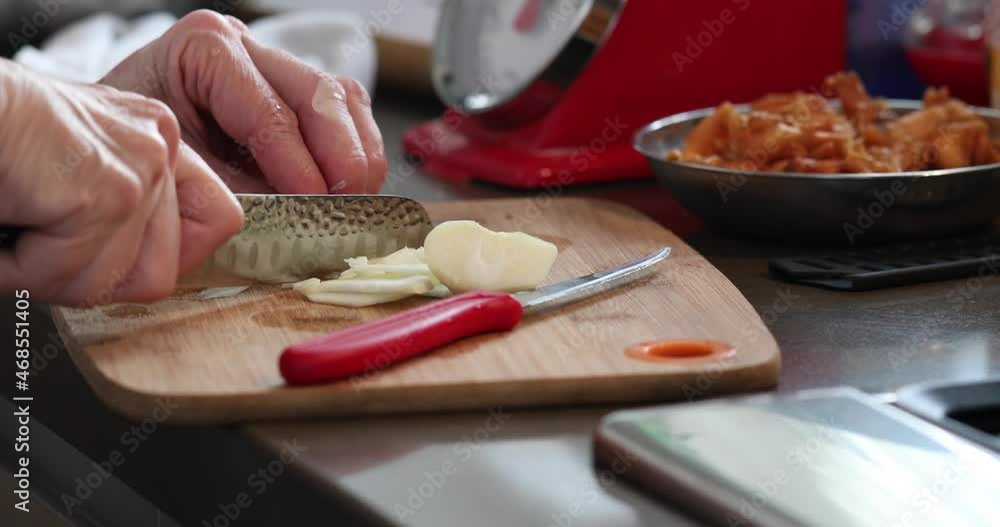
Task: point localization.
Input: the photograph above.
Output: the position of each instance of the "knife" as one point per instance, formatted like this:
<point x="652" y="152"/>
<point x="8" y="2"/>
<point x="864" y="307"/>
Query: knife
<point x="290" y="237"/>
<point x="378" y="344"/>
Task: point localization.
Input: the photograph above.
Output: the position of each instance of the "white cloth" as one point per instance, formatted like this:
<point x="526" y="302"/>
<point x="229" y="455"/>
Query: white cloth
<point x="330" y="40"/>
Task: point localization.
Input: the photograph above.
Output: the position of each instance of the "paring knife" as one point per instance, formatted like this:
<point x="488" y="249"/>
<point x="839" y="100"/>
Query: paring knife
<point x="378" y="344"/>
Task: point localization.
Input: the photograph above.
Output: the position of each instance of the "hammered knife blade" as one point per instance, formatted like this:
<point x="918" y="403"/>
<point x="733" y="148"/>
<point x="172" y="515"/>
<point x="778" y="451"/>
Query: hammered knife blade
<point x="291" y="237"/>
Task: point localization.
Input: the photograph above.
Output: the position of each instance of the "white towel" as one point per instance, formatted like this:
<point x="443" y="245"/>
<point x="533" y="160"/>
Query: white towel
<point x="86" y="50"/>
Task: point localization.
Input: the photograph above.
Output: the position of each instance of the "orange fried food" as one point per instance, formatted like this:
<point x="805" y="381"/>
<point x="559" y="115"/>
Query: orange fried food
<point x="800" y="132"/>
<point x="858" y="106"/>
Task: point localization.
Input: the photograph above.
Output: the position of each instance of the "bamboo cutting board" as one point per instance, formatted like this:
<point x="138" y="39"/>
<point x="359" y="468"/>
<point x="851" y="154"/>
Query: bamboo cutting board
<point x="217" y="360"/>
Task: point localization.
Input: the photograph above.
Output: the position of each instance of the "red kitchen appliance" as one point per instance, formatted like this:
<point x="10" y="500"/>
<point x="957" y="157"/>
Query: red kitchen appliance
<point x="548" y="92"/>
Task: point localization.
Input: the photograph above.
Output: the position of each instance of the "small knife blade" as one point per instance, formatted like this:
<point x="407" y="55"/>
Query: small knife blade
<point x="376" y="345"/>
<point x="557" y="295"/>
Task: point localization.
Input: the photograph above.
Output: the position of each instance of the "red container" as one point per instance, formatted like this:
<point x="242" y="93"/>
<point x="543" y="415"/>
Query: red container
<point x="948" y="58"/>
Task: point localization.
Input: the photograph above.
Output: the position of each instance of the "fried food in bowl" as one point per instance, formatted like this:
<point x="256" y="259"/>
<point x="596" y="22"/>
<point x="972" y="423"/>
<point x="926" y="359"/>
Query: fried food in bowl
<point x="801" y="167"/>
<point x="808" y="133"/>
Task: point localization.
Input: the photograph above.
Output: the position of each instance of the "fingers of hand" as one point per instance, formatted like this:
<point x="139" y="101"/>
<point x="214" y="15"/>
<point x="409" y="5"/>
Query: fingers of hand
<point x="220" y="77"/>
<point x="335" y="117"/>
<point x="359" y="103"/>
<point x="143" y="250"/>
<point x="154" y="272"/>
<point x="116" y="236"/>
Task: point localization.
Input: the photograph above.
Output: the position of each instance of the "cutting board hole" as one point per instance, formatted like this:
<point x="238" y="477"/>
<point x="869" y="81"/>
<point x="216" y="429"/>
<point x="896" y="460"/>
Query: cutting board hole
<point x="673" y="350"/>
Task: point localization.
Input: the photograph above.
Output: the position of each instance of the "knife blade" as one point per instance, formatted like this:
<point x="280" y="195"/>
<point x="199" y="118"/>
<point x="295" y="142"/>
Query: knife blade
<point x="375" y="345"/>
<point x="290" y="237"/>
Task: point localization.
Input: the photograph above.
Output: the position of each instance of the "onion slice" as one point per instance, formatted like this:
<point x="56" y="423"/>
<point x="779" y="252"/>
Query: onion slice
<point x="355" y="299"/>
<point x="410" y="285"/>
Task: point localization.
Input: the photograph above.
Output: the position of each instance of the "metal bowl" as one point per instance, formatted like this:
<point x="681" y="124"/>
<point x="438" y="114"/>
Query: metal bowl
<point x="846" y="208"/>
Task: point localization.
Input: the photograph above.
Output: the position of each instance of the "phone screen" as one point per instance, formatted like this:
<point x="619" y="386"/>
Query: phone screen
<point x="823" y="460"/>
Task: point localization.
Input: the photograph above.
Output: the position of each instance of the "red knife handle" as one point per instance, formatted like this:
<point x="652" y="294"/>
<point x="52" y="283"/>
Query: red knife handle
<point x="376" y="345"/>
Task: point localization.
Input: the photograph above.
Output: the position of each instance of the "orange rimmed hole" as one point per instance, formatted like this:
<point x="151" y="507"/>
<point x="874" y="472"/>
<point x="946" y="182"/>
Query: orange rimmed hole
<point x="662" y="350"/>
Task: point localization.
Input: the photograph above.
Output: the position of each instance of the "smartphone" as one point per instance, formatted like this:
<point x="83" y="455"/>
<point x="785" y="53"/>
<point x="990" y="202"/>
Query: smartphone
<point x="832" y="457"/>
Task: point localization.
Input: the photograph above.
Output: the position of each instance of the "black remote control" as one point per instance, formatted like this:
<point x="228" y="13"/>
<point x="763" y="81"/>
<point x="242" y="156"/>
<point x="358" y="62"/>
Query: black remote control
<point x="894" y="265"/>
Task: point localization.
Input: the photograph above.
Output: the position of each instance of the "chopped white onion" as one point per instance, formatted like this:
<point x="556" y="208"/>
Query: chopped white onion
<point x="306" y="285"/>
<point x="355" y="299"/>
<point x="412" y="285"/>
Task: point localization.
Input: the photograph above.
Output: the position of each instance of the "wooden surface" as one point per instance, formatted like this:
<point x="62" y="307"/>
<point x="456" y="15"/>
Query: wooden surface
<point x="216" y="360"/>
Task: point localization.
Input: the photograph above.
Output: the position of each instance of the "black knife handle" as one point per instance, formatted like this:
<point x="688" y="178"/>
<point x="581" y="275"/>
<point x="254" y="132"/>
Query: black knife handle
<point x="8" y="236"/>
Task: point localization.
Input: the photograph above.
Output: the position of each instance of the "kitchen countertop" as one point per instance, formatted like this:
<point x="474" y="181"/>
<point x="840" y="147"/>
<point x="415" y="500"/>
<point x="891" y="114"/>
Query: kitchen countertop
<point x="534" y="468"/>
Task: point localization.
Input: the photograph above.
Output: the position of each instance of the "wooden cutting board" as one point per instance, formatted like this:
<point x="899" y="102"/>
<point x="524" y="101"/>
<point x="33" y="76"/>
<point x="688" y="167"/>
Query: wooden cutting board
<point x="217" y="360"/>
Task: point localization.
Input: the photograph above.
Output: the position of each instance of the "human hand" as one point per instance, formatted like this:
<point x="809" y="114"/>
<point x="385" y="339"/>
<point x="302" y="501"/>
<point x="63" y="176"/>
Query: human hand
<point x="112" y="206"/>
<point x="264" y="120"/>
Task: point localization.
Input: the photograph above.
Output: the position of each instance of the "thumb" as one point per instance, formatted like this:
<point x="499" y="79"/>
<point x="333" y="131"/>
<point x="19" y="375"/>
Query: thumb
<point x="209" y="213"/>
